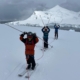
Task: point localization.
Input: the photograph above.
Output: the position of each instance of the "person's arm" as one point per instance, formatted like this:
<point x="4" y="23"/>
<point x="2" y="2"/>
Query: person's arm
<point x="22" y="37"/>
<point x="48" y="29"/>
<point x="54" y="26"/>
<point x="43" y="29"/>
<point x="58" y="26"/>
<point x="35" y="38"/>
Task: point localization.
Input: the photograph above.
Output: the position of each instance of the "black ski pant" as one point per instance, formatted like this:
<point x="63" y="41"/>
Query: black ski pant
<point x="45" y="43"/>
<point x="30" y="60"/>
<point x="56" y="34"/>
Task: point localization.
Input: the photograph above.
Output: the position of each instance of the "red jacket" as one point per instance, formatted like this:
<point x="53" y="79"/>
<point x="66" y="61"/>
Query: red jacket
<point x="29" y="46"/>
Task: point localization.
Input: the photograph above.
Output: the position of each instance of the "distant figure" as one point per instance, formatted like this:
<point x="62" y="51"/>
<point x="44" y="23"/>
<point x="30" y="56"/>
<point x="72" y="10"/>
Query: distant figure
<point x="29" y="42"/>
<point x="56" y="27"/>
<point x="45" y="31"/>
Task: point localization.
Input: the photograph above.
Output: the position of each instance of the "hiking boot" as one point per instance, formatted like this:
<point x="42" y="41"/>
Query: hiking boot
<point x="33" y="67"/>
<point x="29" y="66"/>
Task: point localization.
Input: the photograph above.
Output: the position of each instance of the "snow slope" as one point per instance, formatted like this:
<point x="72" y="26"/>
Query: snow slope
<point x="56" y="14"/>
<point x="62" y="62"/>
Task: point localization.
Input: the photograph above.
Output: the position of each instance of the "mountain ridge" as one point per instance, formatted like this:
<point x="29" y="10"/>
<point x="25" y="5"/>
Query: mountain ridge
<point x="56" y="14"/>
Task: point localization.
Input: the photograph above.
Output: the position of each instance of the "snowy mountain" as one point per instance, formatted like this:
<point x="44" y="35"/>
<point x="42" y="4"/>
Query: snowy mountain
<point x="62" y="62"/>
<point x="56" y="14"/>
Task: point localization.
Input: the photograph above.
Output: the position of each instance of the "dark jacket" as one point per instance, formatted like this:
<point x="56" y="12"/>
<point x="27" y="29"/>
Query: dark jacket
<point x="56" y="27"/>
<point x="45" y="31"/>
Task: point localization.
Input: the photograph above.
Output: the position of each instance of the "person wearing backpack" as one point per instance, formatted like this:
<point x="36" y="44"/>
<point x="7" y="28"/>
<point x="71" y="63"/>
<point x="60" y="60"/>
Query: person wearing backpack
<point x="45" y="31"/>
<point x="56" y="27"/>
<point x="29" y="43"/>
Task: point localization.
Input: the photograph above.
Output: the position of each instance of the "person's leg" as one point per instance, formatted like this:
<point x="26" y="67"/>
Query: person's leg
<point x="57" y="35"/>
<point x="46" y="43"/>
<point x="33" y="62"/>
<point x="28" y="61"/>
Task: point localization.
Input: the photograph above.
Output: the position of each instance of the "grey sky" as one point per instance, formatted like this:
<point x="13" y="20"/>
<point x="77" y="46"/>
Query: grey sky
<point x="22" y="9"/>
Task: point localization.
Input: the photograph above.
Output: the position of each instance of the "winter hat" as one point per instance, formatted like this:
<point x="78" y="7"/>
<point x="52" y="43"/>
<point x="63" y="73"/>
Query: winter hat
<point x="30" y="35"/>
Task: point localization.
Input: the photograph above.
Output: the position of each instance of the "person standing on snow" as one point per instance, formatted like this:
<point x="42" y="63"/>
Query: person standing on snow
<point x="45" y="31"/>
<point x="56" y="27"/>
<point x="29" y="42"/>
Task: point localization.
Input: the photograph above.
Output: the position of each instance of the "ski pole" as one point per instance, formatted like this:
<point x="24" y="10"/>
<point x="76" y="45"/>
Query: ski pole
<point x="46" y="42"/>
<point x="35" y="15"/>
<point x="49" y="19"/>
<point x="14" y="28"/>
<point x="42" y="20"/>
<point x="22" y="31"/>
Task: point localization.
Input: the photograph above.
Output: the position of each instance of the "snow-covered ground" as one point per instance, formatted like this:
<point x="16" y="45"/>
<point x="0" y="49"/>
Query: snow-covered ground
<point x="62" y="62"/>
<point x="56" y="14"/>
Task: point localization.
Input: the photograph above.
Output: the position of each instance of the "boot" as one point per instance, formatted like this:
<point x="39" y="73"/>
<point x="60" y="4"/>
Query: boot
<point x="33" y="67"/>
<point x="29" y="66"/>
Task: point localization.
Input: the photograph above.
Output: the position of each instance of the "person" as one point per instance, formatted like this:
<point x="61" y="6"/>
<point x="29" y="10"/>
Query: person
<point x="45" y="31"/>
<point x="56" y="30"/>
<point x="29" y="42"/>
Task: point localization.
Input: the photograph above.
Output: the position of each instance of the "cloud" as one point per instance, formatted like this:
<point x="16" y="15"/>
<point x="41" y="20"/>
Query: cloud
<point x="22" y="9"/>
<point x="17" y="9"/>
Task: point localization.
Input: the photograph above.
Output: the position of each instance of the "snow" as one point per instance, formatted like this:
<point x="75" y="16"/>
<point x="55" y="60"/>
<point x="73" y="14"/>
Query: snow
<point x="56" y="14"/>
<point x="62" y="62"/>
<point x="71" y="30"/>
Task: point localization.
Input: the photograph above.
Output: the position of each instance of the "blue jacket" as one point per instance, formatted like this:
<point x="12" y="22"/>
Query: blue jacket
<point x="45" y="33"/>
<point x="56" y="27"/>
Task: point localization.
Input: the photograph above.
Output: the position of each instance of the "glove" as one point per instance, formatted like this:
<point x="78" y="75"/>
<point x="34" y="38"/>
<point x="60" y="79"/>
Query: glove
<point x="44" y="27"/>
<point x="34" y="35"/>
<point x="23" y="34"/>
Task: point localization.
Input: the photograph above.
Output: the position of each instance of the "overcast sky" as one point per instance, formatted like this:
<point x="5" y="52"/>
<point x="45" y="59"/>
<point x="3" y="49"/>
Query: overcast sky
<point x="22" y="9"/>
